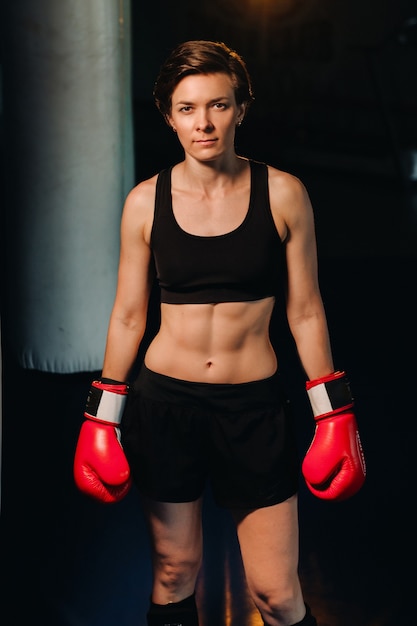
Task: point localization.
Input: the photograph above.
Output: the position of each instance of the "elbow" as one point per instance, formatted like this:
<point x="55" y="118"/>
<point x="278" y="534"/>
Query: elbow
<point x="133" y="325"/>
<point x="129" y="321"/>
<point x="305" y="321"/>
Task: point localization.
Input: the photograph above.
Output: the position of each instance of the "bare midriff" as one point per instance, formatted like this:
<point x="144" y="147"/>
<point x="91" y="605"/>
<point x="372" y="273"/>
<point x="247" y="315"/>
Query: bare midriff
<point x="226" y="342"/>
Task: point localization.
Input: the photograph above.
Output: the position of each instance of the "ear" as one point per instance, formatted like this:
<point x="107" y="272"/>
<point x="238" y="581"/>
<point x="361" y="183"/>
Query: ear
<point x="169" y="121"/>
<point x="241" y="113"/>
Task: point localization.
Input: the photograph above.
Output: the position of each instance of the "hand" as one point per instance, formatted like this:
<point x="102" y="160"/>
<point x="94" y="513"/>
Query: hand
<point x="334" y="466"/>
<point x="101" y="469"/>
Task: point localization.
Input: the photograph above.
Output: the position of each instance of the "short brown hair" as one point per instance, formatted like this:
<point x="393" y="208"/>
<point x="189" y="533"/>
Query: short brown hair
<point x="201" y="57"/>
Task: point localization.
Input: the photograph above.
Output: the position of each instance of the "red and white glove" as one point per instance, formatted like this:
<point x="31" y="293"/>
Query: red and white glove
<point x="334" y="465"/>
<point x="101" y="469"/>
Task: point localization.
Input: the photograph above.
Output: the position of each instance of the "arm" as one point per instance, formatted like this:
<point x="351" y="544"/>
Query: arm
<point x="305" y="310"/>
<point x="128" y="317"/>
<point x="101" y="469"/>
<point x="334" y="465"/>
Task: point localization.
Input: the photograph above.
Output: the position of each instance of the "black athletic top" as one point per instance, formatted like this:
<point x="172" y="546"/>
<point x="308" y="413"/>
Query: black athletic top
<point x="241" y="265"/>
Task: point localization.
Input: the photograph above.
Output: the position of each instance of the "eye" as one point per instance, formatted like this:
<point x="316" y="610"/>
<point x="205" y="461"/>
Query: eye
<point x="185" y="109"/>
<point x="220" y="105"/>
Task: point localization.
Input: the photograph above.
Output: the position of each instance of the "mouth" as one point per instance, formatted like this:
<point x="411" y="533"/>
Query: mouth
<point x="205" y="142"/>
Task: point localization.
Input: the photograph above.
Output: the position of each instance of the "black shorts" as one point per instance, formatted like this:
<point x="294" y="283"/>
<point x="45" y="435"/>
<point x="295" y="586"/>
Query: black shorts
<point x="177" y="434"/>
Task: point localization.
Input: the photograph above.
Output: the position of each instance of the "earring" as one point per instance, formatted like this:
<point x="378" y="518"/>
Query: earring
<point x="174" y="129"/>
<point x="239" y="122"/>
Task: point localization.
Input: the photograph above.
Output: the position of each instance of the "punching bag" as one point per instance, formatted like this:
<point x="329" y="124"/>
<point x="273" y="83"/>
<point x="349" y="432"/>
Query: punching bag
<point x="69" y="152"/>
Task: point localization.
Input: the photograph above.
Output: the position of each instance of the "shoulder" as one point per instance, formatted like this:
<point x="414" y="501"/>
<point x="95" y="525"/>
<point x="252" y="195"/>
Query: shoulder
<point x="139" y="206"/>
<point x="142" y="195"/>
<point x="286" y="184"/>
<point x="288" y="196"/>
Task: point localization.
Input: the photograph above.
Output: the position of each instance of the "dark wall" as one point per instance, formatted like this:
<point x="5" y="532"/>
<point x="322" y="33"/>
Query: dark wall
<point x="328" y="76"/>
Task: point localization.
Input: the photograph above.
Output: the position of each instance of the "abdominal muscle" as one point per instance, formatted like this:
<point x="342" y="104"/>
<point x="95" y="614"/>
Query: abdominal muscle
<point x="226" y="342"/>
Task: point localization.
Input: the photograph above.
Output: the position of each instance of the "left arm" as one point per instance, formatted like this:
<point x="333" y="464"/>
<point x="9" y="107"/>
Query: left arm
<point x="306" y="316"/>
<point x="334" y="466"/>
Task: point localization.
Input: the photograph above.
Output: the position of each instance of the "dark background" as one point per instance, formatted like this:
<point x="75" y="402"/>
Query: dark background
<point x="336" y="104"/>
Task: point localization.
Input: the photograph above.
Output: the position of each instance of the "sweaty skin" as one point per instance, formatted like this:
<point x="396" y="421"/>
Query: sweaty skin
<point x="224" y="342"/>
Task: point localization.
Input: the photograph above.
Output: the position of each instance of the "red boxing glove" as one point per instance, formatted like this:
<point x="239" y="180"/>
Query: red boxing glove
<point x="334" y="466"/>
<point x="100" y="466"/>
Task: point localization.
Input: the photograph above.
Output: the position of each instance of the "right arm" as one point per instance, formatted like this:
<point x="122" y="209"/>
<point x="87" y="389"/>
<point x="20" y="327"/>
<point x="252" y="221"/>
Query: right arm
<point x="101" y="469"/>
<point x="128" y="317"/>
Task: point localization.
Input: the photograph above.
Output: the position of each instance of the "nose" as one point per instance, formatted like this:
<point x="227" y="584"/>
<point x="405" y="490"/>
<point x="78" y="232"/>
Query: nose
<point x="203" y="121"/>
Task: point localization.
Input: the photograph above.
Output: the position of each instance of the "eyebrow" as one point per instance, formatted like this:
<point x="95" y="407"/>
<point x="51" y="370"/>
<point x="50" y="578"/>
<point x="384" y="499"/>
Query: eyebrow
<point x="212" y="101"/>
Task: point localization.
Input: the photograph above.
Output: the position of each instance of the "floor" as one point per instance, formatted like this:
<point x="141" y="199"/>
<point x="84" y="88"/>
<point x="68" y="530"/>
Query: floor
<point x="69" y="561"/>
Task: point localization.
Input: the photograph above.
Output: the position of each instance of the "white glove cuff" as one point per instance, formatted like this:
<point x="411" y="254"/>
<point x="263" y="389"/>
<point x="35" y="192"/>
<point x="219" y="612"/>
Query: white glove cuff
<point x="105" y="406"/>
<point x="330" y="395"/>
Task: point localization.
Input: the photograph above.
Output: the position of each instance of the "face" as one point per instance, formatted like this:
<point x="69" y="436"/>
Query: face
<point x="204" y="114"/>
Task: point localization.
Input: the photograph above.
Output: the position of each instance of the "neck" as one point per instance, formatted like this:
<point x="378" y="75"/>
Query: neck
<point x="197" y="174"/>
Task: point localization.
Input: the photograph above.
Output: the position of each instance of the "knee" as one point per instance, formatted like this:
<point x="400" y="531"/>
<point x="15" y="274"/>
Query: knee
<point x="177" y="571"/>
<point x="280" y="606"/>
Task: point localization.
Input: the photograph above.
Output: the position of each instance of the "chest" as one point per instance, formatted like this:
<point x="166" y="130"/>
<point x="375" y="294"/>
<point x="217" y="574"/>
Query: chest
<point x="204" y="216"/>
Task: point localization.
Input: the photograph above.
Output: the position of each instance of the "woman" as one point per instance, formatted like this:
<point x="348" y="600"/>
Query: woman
<point x="224" y="236"/>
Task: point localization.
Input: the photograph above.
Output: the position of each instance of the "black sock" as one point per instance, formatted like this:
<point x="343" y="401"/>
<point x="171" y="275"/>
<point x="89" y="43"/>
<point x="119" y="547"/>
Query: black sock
<point x="183" y="613"/>
<point x="308" y="619"/>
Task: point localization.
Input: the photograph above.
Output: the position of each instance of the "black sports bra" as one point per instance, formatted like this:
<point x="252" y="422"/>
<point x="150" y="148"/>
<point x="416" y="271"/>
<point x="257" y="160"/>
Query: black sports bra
<point x="241" y="265"/>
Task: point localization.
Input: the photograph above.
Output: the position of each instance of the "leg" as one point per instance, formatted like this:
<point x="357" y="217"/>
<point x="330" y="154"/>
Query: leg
<point x="308" y="619"/>
<point x="176" y="542"/>
<point x="268" y="540"/>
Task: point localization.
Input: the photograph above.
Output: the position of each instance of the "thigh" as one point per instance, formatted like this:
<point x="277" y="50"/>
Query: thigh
<point x="175" y="529"/>
<point x="268" y="539"/>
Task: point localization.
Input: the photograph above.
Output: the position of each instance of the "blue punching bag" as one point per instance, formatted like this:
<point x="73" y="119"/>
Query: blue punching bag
<point x="69" y="147"/>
